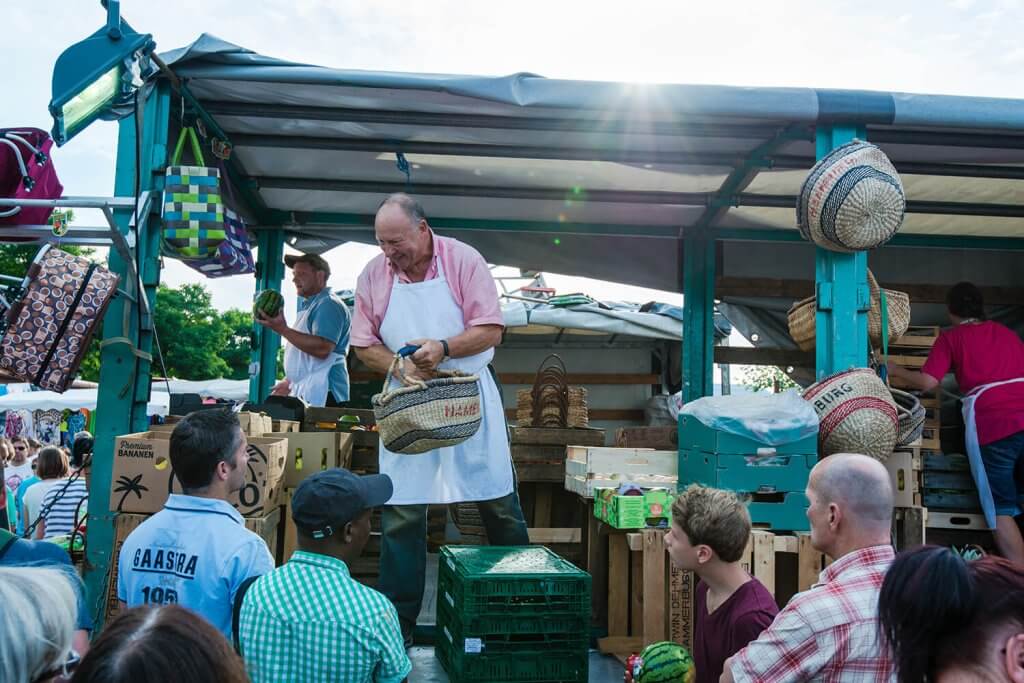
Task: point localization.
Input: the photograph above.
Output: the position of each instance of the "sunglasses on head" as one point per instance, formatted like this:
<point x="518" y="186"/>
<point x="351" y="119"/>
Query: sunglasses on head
<point x="62" y="672"/>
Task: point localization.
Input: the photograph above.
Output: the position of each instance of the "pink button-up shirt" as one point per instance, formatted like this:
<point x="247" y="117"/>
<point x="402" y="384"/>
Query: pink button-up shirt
<point x="465" y="270"/>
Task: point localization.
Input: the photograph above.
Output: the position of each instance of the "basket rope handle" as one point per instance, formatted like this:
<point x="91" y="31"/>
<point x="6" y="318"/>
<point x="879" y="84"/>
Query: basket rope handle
<point x="397" y="369"/>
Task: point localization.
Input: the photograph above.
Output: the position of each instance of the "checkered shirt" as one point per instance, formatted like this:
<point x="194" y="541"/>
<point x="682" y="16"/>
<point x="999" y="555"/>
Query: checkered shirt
<point x="309" y="620"/>
<point x="828" y="633"/>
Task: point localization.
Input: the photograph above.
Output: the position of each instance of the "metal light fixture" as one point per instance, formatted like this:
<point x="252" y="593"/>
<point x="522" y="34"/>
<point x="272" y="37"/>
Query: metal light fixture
<point x="96" y="77"/>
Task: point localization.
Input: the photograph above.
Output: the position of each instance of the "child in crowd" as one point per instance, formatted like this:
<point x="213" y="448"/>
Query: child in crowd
<point x="709" y="532"/>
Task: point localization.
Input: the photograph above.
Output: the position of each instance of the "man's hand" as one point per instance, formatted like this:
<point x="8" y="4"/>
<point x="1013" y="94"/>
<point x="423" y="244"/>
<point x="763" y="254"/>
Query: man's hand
<point x="428" y="356"/>
<point x="282" y="388"/>
<point x="277" y="323"/>
<point x="412" y="372"/>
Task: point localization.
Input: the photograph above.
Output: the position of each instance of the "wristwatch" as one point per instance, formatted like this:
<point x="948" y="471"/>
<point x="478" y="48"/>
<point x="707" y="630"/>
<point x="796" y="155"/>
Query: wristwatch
<point x="444" y="345"/>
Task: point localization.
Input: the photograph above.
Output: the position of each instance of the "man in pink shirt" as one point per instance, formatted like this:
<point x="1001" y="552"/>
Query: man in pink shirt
<point x="988" y="361"/>
<point x="438" y="294"/>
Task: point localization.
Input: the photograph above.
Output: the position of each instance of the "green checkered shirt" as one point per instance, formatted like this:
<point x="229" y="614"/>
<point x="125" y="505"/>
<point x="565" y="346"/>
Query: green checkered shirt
<point x="309" y="620"/>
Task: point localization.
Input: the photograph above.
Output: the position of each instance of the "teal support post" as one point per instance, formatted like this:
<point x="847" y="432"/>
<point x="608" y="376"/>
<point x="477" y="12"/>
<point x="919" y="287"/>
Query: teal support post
<point x="269" y="274"/>
<point x="125" y="358"/>
<point x="698" y="314"/>
<point x="841" y="287"/>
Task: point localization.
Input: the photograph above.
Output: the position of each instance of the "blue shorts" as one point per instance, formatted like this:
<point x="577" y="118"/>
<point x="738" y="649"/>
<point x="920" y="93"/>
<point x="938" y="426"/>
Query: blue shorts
<point x="1004" y="464"/>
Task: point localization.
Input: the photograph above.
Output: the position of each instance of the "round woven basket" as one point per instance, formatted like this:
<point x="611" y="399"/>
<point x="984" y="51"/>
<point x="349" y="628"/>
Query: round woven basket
<point x="421" y="416"/>
<point x="857" y="414"/>
<point x="911" y="416"/>
<point x="852" y="200"/>
<point x="803" y="314"/>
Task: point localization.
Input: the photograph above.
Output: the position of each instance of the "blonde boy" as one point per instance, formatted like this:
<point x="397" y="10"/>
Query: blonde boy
<point x="709" y="532"/>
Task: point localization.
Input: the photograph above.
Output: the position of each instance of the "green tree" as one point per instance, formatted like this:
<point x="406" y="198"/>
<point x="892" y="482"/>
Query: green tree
<point x="192" y="333"/>
<point x="759" y="377"/>
<point x="236" y="352"/>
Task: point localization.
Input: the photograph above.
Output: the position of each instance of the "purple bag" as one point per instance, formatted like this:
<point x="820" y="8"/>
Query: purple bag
<point x="26" y="172"/>
<point x="234" y="255"/>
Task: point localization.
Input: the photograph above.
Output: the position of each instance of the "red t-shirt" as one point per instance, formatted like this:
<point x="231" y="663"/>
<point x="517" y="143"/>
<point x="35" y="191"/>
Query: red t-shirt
<point x="727" y="630"/>
<point x="978" y="354"/>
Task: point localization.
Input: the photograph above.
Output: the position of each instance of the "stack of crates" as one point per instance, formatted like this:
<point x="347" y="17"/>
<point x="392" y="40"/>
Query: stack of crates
<point x="774" y="476"/>
<point x="511" y="614"/>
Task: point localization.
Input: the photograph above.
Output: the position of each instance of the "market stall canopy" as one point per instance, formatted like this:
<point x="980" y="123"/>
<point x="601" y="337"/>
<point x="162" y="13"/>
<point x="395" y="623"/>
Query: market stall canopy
<point x="590" y="178"/>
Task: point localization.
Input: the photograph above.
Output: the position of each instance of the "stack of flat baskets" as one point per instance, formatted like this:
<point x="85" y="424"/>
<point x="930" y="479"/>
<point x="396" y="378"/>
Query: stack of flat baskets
<point x="802" y="316"/>
<point x="551" y="402"/>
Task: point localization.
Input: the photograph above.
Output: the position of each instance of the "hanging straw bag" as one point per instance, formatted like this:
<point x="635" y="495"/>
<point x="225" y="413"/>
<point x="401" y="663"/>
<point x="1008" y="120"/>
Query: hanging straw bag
<point x="423" y="415"/>
<point x="911" y="416"/>
<point x="803" y="315"/>
<point x="857" y="414"/>
<point x="193" y="210"/>
<point x="26" y="172"/>
<point x="852" y="200"/>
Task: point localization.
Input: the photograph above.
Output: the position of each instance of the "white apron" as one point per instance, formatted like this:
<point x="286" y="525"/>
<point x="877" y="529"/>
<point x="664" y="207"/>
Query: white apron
<point x="988" y="505"/>
<point x="479" y="468"/>
<point x="309" y="376"/>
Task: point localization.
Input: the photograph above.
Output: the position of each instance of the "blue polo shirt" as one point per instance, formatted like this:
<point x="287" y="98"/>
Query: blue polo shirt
<point x="329" y="318"/>
<point x="194" y="552"/>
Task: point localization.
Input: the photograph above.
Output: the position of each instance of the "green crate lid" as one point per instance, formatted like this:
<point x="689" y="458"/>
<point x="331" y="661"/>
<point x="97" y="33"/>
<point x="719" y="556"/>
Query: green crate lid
<point x="489" y="560"/>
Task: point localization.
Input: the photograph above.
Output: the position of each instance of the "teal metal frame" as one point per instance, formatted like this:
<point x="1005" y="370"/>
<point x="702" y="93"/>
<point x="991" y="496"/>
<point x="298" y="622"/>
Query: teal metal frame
<point x="841" y="287"/>
<point x="698" y="314"/>
<point x="125" y="360"/>
<point x="269" y="275"/>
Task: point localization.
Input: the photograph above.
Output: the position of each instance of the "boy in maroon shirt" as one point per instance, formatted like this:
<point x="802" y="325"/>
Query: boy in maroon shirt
<point x="709" y="533"/>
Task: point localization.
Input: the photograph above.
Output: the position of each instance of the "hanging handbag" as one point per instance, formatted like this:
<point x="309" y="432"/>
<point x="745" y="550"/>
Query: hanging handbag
<point x="234" y="254"/>
<point x="193" y="210"/>
<point x="26" y="172"/>
<point x="51" y="317"/>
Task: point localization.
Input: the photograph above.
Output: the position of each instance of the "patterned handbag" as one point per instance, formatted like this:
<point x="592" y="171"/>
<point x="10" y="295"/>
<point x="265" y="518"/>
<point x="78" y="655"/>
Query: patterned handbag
<point x="234" y="255"/>
<point x="193" y="211"/>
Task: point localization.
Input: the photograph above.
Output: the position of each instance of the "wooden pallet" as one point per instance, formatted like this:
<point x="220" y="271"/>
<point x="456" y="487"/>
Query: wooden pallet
<point x="917" y="337"/>
<point x="650" y="600"/>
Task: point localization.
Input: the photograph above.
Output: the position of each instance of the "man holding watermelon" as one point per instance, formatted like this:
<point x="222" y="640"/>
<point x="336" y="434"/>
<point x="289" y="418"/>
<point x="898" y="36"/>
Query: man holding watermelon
<point x="314" y="359"/>
<point x="437" y="294"/>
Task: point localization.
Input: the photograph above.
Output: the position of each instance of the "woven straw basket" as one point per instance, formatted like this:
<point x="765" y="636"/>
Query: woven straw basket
<point x="802" y="316"/>
<point x="421" y="416"/>
<point x="852" y="200"/>
<point x="911" y="415"/>
<point x="857" y="414"/>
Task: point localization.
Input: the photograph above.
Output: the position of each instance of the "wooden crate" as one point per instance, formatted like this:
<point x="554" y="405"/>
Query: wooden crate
<point x="650" y="600"/>
<point x="974" y="521"/>
<point x="908" y="527"/>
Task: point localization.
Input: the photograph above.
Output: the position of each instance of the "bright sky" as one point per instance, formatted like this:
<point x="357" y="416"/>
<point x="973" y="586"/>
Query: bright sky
<point x="963" y="47"/>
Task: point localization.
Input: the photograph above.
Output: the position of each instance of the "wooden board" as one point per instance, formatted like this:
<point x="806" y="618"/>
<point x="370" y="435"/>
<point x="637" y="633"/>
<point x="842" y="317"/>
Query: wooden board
<point x="551" y="436"/>
<point x="608" y="414"/>
<point x="549" y="536"/>
<point x="654" y="585"/>
<point x="909" y="527"/>
<point x="618" y="582"/>
<point x="658" y="438"/>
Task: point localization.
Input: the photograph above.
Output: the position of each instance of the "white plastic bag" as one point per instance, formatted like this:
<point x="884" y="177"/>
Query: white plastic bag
<point x="772" y="419"/>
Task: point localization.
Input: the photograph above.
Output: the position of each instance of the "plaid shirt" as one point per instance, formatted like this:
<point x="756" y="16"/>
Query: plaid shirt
<point x="309" y="620"/>
<point x="828" y="633"/>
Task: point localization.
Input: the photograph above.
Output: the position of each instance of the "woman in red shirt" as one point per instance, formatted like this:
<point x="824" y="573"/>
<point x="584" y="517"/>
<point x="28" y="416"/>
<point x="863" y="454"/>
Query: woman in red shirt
<point x="988" y="361"/>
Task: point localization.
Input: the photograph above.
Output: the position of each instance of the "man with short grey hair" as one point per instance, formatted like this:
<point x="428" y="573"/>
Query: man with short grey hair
<point x="437" y="294"/>
<point x="830" y="632"/>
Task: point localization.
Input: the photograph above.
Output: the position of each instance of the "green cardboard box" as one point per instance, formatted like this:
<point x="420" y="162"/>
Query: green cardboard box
<point x="653" y="509"/>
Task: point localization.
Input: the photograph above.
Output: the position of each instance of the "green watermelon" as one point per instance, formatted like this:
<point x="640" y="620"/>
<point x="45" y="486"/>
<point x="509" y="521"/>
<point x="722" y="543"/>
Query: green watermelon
<point x="269" y="303"/>
<point x="666" y="662"/>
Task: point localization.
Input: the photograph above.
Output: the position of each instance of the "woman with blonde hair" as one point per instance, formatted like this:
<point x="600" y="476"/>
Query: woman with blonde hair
<point x="36" y="624"/>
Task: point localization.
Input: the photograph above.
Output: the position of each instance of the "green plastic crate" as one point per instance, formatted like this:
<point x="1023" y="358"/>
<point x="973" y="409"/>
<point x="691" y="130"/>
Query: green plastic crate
<point x="746" y="473"/>
<point x="559" y="633"/>
<point x="542" y="665"/>
<point x="695" y="435"/>
<point x="574" y="619"/>
<point x="790" y="514"/>
<point x="499" y="580"/>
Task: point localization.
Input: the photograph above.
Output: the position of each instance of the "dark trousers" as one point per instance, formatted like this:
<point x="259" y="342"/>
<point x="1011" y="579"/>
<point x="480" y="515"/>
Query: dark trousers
<point x="403" y="558"/>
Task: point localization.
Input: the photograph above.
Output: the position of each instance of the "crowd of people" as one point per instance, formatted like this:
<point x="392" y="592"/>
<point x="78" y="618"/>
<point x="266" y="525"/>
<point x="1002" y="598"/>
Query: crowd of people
<point x="201" y="601"/>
